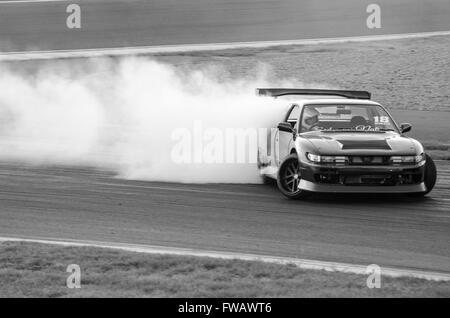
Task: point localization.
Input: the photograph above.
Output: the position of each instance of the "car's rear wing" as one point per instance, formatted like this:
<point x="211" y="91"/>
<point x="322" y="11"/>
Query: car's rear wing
<point x="275" y="92"/>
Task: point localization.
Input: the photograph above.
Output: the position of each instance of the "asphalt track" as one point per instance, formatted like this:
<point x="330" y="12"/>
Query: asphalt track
<point x="41" y="25"/>
<point x="85" y="204"/>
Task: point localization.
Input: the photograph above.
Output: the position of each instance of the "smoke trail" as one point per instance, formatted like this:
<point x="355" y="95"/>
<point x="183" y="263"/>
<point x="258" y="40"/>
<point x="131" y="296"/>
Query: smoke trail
<point x="122" y="115"/>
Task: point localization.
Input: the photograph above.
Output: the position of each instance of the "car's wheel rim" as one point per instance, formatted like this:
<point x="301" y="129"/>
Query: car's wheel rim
<point x="291" y="177"/>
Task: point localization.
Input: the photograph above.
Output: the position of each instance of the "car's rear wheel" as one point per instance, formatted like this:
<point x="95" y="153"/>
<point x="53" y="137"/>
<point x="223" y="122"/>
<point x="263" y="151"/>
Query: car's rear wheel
<point x="289" y="178"/>
<point x="429" y="177"/>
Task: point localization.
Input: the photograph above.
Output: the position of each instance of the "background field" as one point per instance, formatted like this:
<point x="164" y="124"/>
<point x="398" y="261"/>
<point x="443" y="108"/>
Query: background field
<point x="408" y="74"/>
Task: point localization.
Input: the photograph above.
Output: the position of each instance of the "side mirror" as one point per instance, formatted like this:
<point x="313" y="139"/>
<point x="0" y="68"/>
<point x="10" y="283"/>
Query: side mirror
<point x="405" y="127"/>
<point x="285" y="127"/>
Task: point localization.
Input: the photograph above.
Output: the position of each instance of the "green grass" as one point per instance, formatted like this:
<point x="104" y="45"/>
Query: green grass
<point x="35" y="270"/>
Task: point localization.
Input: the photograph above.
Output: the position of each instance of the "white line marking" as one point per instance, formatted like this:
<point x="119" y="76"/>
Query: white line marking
<point x="301" y="263"/>
<point x="83" y="53"/>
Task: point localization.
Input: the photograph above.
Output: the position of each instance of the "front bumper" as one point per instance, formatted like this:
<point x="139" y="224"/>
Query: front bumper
<point x="326" y="188"/>
<point x="362" y="179"/>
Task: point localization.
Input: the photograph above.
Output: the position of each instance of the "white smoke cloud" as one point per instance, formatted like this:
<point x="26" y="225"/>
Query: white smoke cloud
<point x="120" y="115"/>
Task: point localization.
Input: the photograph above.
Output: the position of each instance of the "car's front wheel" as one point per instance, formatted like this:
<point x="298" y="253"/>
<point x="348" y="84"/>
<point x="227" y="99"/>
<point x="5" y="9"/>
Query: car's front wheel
<point x="429" y="177"/>
<point x="289" y="178"/>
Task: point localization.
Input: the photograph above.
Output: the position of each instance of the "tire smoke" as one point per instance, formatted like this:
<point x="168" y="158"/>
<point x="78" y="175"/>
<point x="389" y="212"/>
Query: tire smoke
<point x="121" y="115"/>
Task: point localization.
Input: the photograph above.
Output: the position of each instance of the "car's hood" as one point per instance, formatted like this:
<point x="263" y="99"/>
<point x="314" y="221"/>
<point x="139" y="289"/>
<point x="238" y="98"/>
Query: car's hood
<point x="342" y="143"/>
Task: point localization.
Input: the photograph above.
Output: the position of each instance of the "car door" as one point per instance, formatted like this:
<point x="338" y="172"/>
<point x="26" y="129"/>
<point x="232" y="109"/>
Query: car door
<point x="284" y="138"/>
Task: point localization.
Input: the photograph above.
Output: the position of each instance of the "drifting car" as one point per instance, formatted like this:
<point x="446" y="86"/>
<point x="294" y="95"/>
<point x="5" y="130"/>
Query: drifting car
<point x="337" y="141"/>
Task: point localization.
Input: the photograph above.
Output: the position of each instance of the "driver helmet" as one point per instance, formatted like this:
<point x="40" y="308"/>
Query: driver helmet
<point x="310" y="118"/>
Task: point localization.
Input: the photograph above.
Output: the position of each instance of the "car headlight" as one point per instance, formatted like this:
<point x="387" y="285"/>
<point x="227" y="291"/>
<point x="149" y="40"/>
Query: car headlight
<point x="408" y="159"/>
<point x="312" y="157"/>
<point x="326" y="159"/>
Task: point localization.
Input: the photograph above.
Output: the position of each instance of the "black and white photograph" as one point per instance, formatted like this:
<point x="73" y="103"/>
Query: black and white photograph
<point x="225" y="155"/>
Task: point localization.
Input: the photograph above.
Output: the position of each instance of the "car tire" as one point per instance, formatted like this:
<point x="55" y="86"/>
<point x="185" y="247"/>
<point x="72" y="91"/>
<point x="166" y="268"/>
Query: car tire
<point x="429" y="177"/>
<point x="289" y="178"/>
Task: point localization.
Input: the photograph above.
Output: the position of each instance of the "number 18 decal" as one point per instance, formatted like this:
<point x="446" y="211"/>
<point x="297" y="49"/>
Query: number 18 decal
<point x="381" y="119"/>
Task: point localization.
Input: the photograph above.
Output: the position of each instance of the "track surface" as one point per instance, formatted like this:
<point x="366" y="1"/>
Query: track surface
<point x="85" y="204"/>
<point x="28" y="25"/>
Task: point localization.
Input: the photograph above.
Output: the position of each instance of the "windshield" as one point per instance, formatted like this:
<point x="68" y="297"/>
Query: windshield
<point x="346" y="117"/>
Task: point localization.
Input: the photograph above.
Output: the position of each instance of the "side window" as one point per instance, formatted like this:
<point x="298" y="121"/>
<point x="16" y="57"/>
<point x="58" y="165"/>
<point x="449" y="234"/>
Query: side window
<point x="293" y="116"/>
